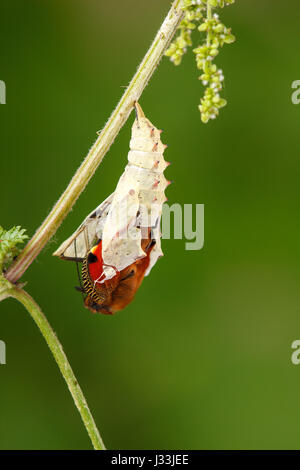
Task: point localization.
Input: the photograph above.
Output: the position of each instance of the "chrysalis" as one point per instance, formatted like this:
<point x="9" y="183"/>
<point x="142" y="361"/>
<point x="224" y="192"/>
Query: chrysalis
<point x="119" y="242"/>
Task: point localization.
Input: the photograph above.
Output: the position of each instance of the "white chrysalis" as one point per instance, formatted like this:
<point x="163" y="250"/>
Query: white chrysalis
<point x="124" y="218"/>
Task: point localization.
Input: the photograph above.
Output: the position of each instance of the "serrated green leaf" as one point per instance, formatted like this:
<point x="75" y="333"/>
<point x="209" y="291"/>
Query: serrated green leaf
<point x="9" y="239"/>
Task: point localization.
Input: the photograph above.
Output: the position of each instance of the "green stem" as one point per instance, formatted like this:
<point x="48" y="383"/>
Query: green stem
<point x="102" y="144"/>
<point x="209" y="11"/>
<point x="209" y="17"/>
<point x="61" y="359"/>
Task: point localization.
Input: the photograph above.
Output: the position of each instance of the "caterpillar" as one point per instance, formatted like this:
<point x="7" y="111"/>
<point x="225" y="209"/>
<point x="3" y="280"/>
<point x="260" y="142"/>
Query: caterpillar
<point x="120" y="241"/>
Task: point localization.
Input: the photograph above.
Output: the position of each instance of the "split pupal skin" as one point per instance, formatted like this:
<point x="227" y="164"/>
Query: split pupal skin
<point x="78" y="245"/>
<point x="138" y="199"/>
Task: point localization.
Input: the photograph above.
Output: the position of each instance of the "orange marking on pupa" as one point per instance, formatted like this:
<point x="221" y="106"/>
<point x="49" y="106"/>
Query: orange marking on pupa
<point x="117" y="292"/>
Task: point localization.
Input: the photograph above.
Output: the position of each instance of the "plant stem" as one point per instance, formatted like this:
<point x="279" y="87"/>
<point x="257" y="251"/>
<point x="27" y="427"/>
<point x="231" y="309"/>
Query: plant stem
<point x="102" y="144"/>
<point x="209" y="17"/>
<point x="209" y="11"/>
<point x="61" y="359"/>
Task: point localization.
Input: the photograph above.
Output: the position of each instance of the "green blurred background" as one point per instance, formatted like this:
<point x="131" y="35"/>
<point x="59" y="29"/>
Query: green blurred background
<point x="202" y="358"/>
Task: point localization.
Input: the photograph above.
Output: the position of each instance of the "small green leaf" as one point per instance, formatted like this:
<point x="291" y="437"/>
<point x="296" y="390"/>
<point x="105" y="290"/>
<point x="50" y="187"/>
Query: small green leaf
<point x="9" y="239"/>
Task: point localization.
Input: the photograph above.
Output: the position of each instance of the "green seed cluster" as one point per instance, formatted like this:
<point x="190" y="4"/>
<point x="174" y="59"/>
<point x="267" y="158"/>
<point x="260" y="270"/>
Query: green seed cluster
<point x="212" y="77"/>
<point x="179" y="47"/>
<point x="216" y="36"/>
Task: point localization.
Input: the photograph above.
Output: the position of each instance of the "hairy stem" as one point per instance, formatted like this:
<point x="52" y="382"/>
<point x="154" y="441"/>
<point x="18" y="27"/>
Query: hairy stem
<point x="209" y="17"/>
<point x="61" y="359"/>
<point x="102" y="144"/>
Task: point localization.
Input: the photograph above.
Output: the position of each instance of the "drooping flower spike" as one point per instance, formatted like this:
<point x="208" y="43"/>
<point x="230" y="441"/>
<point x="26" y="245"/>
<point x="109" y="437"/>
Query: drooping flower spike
<point x="216" y="35"/>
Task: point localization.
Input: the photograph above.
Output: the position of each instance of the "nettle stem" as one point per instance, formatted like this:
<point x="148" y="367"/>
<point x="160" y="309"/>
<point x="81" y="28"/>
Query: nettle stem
<point x="102" y="144"/>
<point x="62" y="362"/>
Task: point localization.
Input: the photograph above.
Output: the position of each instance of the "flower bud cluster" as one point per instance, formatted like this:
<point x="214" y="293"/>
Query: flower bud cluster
<point x="216" y="35"/>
